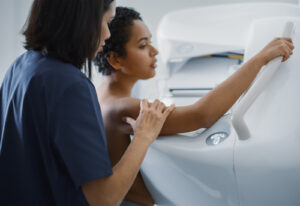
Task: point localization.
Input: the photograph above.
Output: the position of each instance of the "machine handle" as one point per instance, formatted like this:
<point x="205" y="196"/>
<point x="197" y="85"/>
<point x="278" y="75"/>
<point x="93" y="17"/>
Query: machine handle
<point x="256" y="88"/>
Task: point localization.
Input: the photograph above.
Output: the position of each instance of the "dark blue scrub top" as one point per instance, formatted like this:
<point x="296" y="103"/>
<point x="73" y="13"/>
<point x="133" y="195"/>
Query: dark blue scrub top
<point x="52" y="137"/>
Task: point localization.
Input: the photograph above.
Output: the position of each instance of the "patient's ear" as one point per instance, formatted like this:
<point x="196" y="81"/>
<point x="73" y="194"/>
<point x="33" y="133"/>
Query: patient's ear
<point x="114" y="60"/>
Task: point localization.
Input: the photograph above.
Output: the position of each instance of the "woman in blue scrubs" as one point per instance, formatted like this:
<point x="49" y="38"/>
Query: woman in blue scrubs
<point x="53" y="147"/>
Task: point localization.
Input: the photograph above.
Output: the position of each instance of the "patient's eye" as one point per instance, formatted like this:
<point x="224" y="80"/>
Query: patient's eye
<point x="142" y="46"/>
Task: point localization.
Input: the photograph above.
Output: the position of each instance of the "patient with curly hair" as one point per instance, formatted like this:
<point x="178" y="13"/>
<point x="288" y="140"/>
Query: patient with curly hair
<point x="129" y="56"/>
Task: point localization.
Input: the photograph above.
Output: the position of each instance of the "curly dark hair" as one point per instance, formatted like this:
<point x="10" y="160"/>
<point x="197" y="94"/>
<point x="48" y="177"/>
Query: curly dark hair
<point x="69" y="30"/>
<point x="120" y="29"/>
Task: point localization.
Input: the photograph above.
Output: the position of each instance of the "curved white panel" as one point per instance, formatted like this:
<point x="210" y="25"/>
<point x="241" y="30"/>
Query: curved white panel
<point x="186" y="170"/>
<point x="267" y="164"/>
<point x="263" y="79"/>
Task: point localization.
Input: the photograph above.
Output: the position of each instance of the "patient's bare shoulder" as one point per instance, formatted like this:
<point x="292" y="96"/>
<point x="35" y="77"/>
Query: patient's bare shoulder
<point x="126" y="106"/>
<point x="116" y="109"/>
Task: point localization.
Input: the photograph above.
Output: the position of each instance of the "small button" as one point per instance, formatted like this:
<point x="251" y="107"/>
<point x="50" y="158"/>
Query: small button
<point x="216" y="138"/>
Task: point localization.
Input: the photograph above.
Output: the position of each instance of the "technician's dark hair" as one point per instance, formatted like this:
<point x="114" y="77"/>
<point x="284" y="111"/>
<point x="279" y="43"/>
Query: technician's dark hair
<point x="120" y="29"/>
<point x="67" y="29"/>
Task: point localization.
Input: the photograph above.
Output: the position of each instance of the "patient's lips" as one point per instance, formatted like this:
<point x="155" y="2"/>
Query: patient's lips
<point x="154" y="65"/>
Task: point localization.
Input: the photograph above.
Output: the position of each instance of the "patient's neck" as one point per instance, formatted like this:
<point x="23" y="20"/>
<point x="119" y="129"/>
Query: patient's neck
<point x="120" y="84"/>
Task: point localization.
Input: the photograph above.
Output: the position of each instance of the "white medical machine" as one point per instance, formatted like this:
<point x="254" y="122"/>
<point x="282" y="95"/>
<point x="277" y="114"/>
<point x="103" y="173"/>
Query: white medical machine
<point x="250" y="156"/>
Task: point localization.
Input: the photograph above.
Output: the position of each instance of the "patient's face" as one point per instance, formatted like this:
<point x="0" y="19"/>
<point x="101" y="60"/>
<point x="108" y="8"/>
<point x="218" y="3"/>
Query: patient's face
<point x="140" y="58"/>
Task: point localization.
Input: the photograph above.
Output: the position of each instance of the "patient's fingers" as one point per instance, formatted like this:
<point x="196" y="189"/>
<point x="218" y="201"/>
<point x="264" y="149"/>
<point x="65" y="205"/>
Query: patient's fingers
<point x="287" y="39"/>
<point x="286" y="48"/>
<point x="288" y="53"/>
<point x="290" y="45"/>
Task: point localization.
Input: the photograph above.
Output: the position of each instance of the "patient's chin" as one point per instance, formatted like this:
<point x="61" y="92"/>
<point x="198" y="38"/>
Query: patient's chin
<point x="149" y="75"/>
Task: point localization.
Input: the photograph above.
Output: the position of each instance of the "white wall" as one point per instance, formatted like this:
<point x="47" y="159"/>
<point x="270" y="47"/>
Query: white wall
<point x="13" y="14"/>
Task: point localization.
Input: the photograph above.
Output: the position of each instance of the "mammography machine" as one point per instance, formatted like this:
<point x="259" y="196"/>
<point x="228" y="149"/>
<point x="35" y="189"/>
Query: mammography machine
<point x="249" y="157"/>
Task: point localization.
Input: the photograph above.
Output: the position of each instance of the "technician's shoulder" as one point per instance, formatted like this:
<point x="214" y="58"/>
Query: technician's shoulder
<point x="54" y="79"/>
<point x="36" y="65"/>
<point x="60" y="73"/>
<point x="54" y="76"/>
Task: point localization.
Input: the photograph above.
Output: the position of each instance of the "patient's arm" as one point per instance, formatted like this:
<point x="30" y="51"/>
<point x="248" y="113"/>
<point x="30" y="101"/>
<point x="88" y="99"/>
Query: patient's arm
<point x="207" y="110"/>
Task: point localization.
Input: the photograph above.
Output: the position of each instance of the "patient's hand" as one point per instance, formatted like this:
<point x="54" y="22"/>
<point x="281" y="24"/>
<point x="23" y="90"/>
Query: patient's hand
<point x="150" y="120"/>
<point x="278" y="47"/>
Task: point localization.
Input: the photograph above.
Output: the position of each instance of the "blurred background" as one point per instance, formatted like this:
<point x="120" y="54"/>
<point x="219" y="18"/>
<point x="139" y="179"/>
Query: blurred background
<point x="13" y="14"/>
